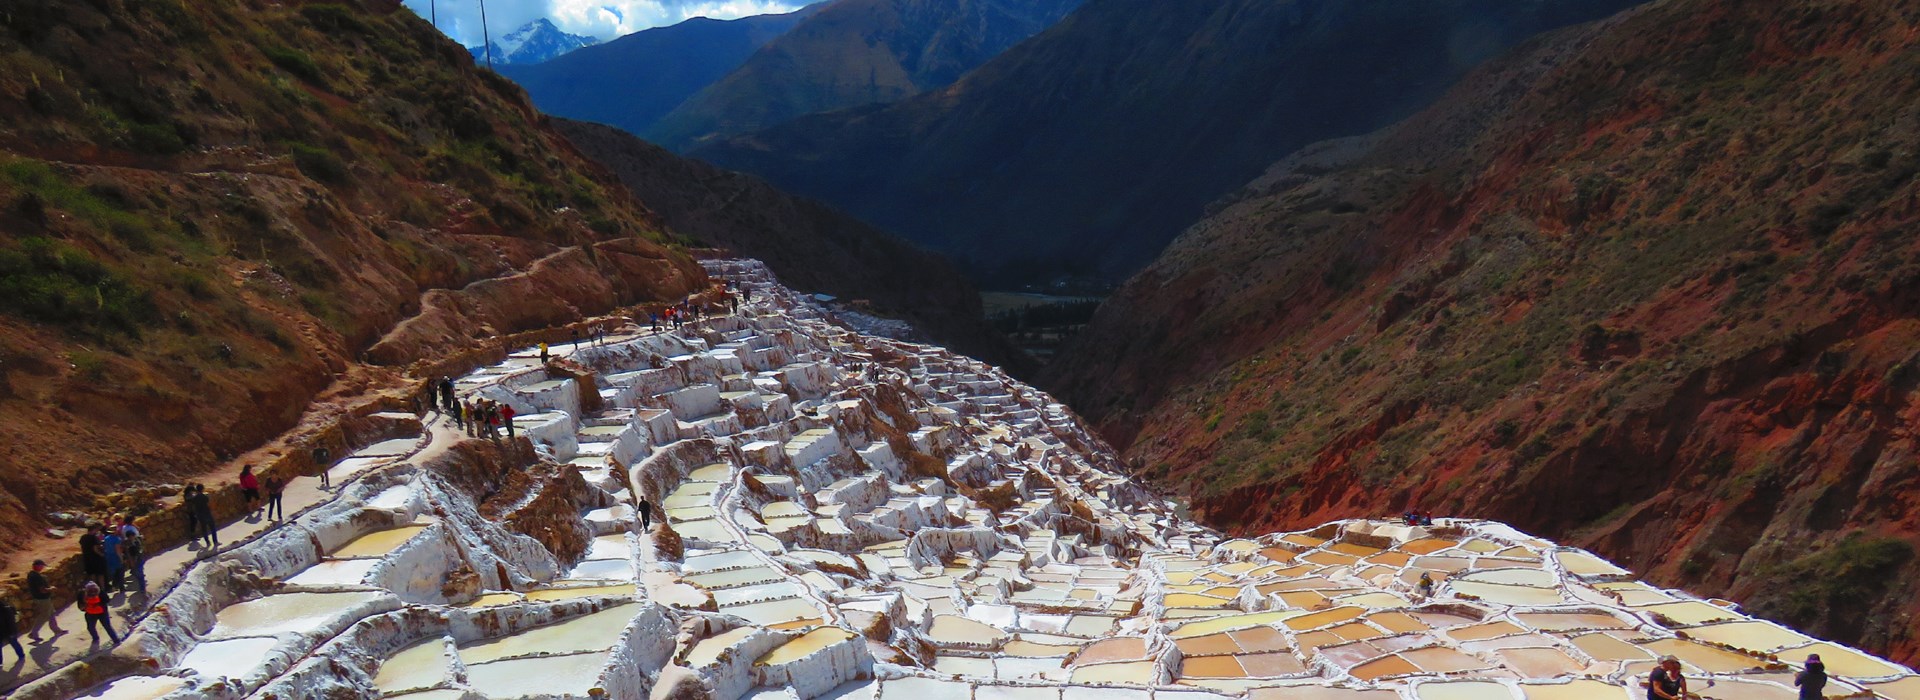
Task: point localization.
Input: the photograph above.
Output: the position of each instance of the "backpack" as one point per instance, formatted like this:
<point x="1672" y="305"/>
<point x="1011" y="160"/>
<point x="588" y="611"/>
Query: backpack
<point x="134" y="542"/>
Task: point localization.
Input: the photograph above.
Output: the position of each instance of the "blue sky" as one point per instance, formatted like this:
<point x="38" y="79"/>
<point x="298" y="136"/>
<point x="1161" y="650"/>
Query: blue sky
<point x="605" y="19"/>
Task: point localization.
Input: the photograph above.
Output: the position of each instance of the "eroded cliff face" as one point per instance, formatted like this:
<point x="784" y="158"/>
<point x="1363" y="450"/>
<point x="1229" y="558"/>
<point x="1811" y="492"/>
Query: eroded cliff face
<point x="1647" y="286"/>
<point x="216" y="218"/>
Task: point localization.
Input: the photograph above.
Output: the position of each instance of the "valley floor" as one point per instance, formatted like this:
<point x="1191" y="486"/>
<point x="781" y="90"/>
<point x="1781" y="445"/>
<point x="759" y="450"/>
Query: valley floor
<point x="768" y="504"/>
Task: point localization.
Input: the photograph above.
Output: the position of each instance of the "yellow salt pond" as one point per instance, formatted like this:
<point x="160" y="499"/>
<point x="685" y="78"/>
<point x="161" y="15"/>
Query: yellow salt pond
<point x="1842" y="661"/>
<point x="1511" y="577"/>
<point x="957" y="630"/>
<point x="422" y="665"/>
<point x="1505" y="594"/>
<point x="804" y="645"/>
<point x="1194" y="600"/>
<point x="708" y="650"/>
<point x="1581" y="563"/>
<point x="588" y="632"/>
<point x="1606" y="648"/>
<point x="579" y="592"/>
<point x="1324" y="618"/>
<point x="1907" y="688"/>
<point x="1703" y="657"/>
<point x="1229" y="622"/>
<point x="1426" y="546"/>
<point x="1561" y="622"/>
<point x="570" y="675"/>
<point x="1463" y="690"/>
<point x="377" y="544"/>
<point x="1442" y="660"/>
<point x="1383" y="667"/>
<point x="1692" y="612"/>
<point x="494" y="600"/>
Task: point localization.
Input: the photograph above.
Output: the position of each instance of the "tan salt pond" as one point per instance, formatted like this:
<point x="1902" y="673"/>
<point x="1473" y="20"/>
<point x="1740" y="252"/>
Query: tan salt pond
<point x="287" y="613"/>
<point x="1442" y="660"/>
<point x="228" y="658"/>
<point x="1211" y="667"/>
<point x="805" y="645"/>
<point x="377" y="544"/>
<point x="1560" y="622"/>
<point x="1751" y="635"/>
<point x="708" y="650"/>
<point x="1583" y="564"/>
<point x="1535" y="662"/>
<point x="1511" y="577"/>
<point x="493" y="600"/>
<point x="422" y="665"/>
<point x="1705" y="658"/>
<point x="588" y="632"/>
<point x="1582" y="689"/>
<point x="1693" y="612"/>
<point x="774" y="612"/>
<point x="1382" y="667"/>
<point x="1194" y="600"/>
<point x="1907" y="688"/>
<point x="1606" y="648"/>
<point x="1222" y="624"/>
<point x="1463" y="690"/>
<point x="1210" y="645"/>
<point x="579" y="592"/>
<point x="1507" y="595"/>
<point x="334" y="572"/>
<point x="1426" y="546"/>
<point x="1114" y="649"/>
<point x="1324" y="617"/>
<point x="566" y="676"/>
<point x="1845" y="662"/>
<point x="1026" y="649"/>
<point x="137" y="688"/>
<point x="1497" y="628"/>
<point x="1132" y="672"/>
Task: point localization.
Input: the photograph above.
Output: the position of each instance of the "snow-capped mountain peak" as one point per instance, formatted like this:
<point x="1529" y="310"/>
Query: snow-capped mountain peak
<point x="537" y="41"/>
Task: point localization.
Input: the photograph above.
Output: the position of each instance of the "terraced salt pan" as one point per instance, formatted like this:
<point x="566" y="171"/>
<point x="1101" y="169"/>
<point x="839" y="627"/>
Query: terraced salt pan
<point x="228" y="658"/>
<point x="377" y="544"/>
<point x="589" y="632"/>
<point x="286" y="613"/>
<point x="422" y="665"/>
<point x="571" y="675"/>
<point x="138" y="688"/>
<point x="335" y="572"/>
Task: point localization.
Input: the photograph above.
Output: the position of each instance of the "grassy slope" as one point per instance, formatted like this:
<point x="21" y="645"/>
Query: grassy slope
<point x="1649" y="287"/>
<point x="212" y="209"/>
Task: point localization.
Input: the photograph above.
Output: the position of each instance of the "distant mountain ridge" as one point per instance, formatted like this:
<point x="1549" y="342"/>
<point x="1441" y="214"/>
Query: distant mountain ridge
<point x="1092" y="144"/>
<point x="852" y="53"/>
<point x="532" y="43"/>
<point x="632" y="81"/>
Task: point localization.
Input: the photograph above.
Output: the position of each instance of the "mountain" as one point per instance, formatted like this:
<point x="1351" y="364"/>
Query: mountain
<point x="856" y="52"/>
<point x="216" y="215"/>
<point x="809" y="245"/>
<point x="632" y="81"/>
<point x="1091" y="145"/>
<point x="1647" y="287"/>
<point x="536" y="42"/>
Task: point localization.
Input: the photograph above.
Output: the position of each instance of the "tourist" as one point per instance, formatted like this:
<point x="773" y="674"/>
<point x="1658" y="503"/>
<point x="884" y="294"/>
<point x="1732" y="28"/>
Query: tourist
<point x="10" y="631"/>
<point x="471" y="421"/>
<point x="133" y="551"/>
<point x="1813" y="680"/>
<point x="646" y="514"/>
<point x="506" y="417"/>
<point x="543" y="351"/>
<point x="250" y="489"/>
<point x="202" y="505"/>
<point x="95" y="608"/>
<point x="116" y="569"/>
<point x="40" y="594"/>
<point x="1425" y="587"/>
<point x="275" y="490"/>
<point x="575" y="334"/>
<point x="654" y="317"/>
<point x="1666" y="683"/>
<point x="323" y="458"/>
<point x="93" y="561"/>
<point x="447" y="398"/>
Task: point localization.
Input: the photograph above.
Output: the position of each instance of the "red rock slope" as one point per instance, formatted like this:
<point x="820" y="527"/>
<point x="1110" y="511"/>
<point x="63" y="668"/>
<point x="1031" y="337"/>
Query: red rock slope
<point x="1649" y="286"/>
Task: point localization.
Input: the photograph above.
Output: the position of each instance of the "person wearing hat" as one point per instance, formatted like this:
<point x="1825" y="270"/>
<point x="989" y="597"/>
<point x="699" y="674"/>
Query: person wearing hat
<point x="1813" y="679"/>
<point x="1666" y="683"/>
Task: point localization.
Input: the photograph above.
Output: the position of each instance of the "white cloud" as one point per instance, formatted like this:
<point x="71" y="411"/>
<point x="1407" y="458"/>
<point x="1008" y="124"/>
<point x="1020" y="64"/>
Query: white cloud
<point x="605" y="19"/>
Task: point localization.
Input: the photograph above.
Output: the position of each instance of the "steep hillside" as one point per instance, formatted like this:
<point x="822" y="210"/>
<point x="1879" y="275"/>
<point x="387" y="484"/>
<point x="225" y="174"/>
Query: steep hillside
<point x="210" y="213"/>
<point x="634" y="80"/>
<point x="856" y="52"/>
<point x="811" y="246"/>
<point x="1111" y="130"/>
<point x="1649" y="287"/>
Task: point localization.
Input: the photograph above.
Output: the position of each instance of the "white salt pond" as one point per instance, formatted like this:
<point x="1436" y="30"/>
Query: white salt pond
<point x="335" y="572"/>
<point x="589" y="632"/>
<point x="229" y="658"/>
<point x="422" y="665"/>
<point x="137" y="688"/>
<point x="286" y="613"/>
<point x="571" y="675"/>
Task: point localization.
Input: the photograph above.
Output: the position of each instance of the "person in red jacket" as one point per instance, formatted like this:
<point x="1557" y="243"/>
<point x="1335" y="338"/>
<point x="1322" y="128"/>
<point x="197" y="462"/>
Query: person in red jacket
<point x="506" y="417"/>
<point x="94" y="605"/>
<point x="250" y="487"/>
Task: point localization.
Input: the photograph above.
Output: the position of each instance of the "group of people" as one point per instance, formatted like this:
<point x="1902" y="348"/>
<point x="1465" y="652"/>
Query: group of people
<point x="1666" y="682"/>
<point x="483" y="417"/>
<point x="250" y="487"/>
<point x="1415" y="516"/>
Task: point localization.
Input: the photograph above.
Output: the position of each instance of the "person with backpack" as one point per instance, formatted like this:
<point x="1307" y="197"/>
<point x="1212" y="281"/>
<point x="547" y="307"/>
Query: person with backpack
<point x="10" y="631"/>
<point x="133" y="552"/>
<point x="93" y="561"/>
<point x="94" y="606"/>
<point x="40" y="594"/>
<point x="1812" y="680"/>
<point x="275" y="490"/>
<point x="116" y="569"/>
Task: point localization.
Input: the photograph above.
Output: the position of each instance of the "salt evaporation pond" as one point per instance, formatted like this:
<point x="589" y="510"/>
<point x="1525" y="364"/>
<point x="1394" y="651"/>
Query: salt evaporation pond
<point x="571" y="675"/>
<point x="286" y="613"/>
<point x="422" y="665"/>
<point x="229" y="658"/>
<point x="138" y="688"/>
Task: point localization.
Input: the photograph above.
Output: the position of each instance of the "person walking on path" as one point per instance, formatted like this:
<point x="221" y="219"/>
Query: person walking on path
<point x="40" y="594"/>
<point x="250" y="489"/>
<point x="202" y="506"/>
<point x="506" y="418"/>
<point x="133" y="551"/>
<point x="94" y="606"/>
<point x="10" y="631"/>
<point x="323" y="458"/>
<point x="447" y="399"/>
<point x="116" y="567"/>
<point x="1813" y="680"/>
<point x="543" y="351"/>
<point x="276" y="510"/>
<point x="646" y="514"/>
<point x="93" y="561"/>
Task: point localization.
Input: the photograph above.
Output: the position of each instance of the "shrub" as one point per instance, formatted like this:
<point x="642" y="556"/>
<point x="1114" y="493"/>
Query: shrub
<point x="51" y="282"/>
<point x="296" y="62"/>
<point x="319" y="163"/>
<point x="157" y="139"/>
